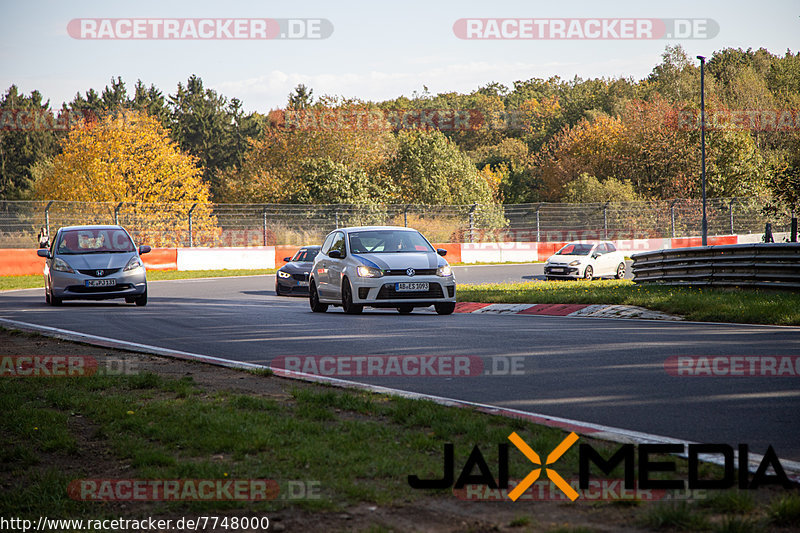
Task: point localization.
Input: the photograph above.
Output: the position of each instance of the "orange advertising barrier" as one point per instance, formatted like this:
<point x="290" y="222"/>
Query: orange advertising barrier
<point x="20" y="262"/>
<point x="546" y="249"/>
<point x="282" y="251"/>
<point x="453" y="251"/>
<point x="691" y="242"/>
<point x="161" y="259"/>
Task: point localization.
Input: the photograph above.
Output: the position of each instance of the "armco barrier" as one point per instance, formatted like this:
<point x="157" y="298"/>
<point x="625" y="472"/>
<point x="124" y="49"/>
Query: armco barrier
<point x="775" y="265"/>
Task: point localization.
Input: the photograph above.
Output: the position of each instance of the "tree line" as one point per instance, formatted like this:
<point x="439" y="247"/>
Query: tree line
<point x="553" y="140"/>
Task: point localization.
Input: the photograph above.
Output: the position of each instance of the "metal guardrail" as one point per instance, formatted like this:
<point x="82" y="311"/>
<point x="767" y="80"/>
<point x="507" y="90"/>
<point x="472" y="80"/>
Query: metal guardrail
<point x="774" y="265"/>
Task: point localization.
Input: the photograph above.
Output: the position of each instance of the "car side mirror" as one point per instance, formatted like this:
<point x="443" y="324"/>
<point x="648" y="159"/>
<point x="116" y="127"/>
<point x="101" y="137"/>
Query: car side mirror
<point x="43" y="252"/>
<point x="595" y="255"/>
<point x="441" y="251"/>
<point x="287" y="259"/>
<point x="144" y="249"/>
<point x="335" y="254"/>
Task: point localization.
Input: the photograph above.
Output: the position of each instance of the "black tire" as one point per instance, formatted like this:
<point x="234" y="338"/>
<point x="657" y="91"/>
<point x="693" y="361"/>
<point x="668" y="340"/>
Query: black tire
<point x="141" y="301"/>
<point x="55" y="301"/>
<point x="130" y="299"/>
<point x="620" y="271"/>
<point x="588" y="273"/>
<point x="313" y="299"/>
<point x="347" y="299"/>
<point x="277" y="289"/>
<point x="445" y="308"/>
<point x="405" y="309"/>
<point x="46" y="295"/>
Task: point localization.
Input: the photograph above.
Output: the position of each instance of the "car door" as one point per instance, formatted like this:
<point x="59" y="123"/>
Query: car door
<point x="336" y="266"/>
<point x="604" y="267"/>
<point x="321" y="265"/>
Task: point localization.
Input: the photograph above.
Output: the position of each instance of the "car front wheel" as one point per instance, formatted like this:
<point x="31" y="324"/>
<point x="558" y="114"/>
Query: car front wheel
<point x="347" y="299"/>
<point x="313" y="299"/>
<point x="588" y="273"/>
<point x="445" y="308"/>
<point x="620" y="271"/>
<point x="405" y="309"/>
<point x="141" y="301"/>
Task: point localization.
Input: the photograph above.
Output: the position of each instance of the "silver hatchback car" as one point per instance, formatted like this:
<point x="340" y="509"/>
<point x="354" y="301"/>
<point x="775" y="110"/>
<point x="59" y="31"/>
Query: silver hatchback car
<point x="94" y="263"/>
<point x="381" y="266"/>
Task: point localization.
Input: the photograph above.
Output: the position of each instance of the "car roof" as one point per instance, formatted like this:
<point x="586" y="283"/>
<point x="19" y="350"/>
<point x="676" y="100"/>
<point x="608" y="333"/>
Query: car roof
<point x="589" y="242"/>
<point x="310" y="247"/>
<point x="369" y="228"/>
<point x="91" y="226"/>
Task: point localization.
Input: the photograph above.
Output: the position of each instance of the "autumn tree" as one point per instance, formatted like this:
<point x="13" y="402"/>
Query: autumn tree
<point x="130" y="159"/>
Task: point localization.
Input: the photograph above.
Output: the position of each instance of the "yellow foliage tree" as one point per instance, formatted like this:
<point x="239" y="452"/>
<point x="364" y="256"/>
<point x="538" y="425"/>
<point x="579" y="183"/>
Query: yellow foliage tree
<point x="128" y="159"/>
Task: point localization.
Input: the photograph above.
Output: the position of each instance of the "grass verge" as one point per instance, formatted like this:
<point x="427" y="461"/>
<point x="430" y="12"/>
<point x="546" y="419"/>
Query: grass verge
<point x="35" y="281"/>
<point x="181" y="420"/>
<point x="701" y="304"/>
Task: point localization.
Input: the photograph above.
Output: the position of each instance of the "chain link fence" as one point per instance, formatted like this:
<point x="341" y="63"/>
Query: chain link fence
<point x="229" y="225"/>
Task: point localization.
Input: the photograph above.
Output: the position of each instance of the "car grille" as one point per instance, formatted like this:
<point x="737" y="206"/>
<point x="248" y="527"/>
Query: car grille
<point x="387" y="292"/>
<point x="300" y="277"/>
<point x="417" y="272"/>
<point x="451" y="290"/>
<point x="82" y="289"/>
<point x="99" y="272"/>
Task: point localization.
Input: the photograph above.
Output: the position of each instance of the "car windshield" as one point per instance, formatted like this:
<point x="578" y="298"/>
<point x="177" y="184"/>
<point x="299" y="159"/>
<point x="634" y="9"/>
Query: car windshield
<point x="575" y="249"/>
<point x="94" y="241"/>
<point x="388" y="241"/>
<point x="304" y="255"/>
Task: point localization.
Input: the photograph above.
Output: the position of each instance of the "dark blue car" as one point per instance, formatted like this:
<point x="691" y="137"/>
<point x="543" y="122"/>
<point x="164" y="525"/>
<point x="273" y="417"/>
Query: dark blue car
<point x="292" y="278"/>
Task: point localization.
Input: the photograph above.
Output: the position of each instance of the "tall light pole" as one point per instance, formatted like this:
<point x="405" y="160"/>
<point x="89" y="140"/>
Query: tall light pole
<point x="703" y="144"/>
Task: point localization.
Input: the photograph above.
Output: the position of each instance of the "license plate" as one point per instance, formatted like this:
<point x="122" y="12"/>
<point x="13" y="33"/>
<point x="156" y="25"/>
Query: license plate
<point x="101" y="282"/>
<point x="411" y="286"/>
<point x="302" y="284"/>
<point x="556" y="270"/>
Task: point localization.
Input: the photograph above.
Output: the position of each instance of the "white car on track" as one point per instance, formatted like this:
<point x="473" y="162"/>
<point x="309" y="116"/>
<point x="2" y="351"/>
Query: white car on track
<point x="381" y="266"/>
<point x="586" y="260"/>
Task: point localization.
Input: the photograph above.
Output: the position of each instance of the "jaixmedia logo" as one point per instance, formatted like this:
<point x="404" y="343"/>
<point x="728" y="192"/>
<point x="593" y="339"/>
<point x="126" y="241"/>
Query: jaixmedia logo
<point x="640" y="464"/>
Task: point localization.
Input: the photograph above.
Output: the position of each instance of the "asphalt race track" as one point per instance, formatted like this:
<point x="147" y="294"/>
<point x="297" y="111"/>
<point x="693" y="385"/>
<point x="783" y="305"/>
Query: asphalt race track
<point x="603" y="371"/>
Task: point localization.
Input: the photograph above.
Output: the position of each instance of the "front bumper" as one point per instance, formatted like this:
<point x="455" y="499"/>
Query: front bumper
<point x="297" y="284"/>
<point x="72" y="286"/>
<point x="382" y="292"/>
<point x="563" y="271"/>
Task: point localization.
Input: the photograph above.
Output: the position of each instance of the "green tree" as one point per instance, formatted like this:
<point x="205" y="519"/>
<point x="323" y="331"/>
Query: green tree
<point x="24" y="140"/>
<point x="428" y="168"/>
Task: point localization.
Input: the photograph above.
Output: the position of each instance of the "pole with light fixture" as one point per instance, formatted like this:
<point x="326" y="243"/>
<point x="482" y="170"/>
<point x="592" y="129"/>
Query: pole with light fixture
<point x="703" y="145"/>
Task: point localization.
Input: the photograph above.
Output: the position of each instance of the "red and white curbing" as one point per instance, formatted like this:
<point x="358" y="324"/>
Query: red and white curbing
<point x="574" y="310"/>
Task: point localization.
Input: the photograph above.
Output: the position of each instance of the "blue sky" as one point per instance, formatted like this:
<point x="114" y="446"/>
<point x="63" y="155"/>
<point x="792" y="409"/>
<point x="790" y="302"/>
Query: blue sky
<point x="377" y="50"/>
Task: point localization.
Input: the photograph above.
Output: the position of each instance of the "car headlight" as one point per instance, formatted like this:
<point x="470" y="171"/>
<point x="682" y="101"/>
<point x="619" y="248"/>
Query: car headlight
<point x="282" y="274"/>
<point x="444" y="271"/>
<point x="369" y="272"/>
<point x="133" y="264"/>
<point x="575" y="263"/>
<point x="62" y="266"/>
